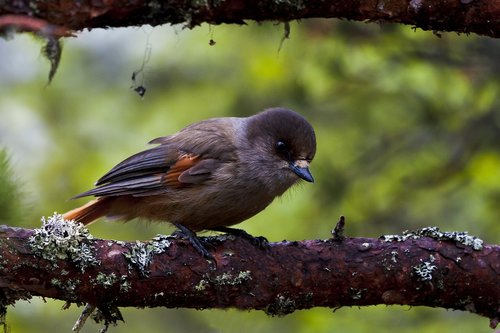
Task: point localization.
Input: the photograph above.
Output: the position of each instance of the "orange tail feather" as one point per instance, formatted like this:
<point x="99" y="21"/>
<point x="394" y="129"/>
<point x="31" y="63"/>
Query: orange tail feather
<point x="89" y="212"/>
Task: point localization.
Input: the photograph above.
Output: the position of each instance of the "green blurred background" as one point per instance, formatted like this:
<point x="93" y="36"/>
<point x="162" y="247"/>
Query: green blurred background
<point x="408" y="128"/>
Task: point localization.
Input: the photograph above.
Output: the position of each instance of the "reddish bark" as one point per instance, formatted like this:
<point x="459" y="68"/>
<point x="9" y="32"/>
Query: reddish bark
<point x="287" y="276"/>
<point x="464" y="16"/>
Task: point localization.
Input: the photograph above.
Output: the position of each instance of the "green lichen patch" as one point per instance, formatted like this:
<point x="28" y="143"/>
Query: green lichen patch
<point x="58" y="239"/>
<point x="125" y="285"/>
<point x="202" y="285"/>
<point x="109" y="280"/>
<point x="141" y="253"/>
<point x="228" y="279"/>
<point x="108" y="315"/>
<point x="462" y="237"/>
<point x="69" y="286"/>
<point x="425" y="269"/>
<point x="160" y="243"/>
<point x="105" y="280"/>
<point x="224" y="279"/>
<point x="281" y="306"/>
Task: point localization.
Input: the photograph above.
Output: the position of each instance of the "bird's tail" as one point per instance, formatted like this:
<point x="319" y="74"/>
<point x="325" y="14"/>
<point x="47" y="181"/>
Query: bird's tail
<point x="90" y="212"/>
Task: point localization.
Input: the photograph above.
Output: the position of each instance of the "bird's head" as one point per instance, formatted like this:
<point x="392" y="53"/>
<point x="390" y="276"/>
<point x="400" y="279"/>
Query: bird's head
<point x="284" y="141"/>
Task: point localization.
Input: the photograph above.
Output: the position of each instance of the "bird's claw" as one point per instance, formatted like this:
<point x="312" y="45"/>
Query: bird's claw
<point x="185" y="232"/>
<point x="259" y="241"/>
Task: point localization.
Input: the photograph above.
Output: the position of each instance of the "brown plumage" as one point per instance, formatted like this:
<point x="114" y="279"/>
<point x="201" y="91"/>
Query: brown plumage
<point x="212" y="174"/>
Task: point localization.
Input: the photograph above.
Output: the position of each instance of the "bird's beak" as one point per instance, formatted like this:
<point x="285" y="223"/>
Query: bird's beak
<point x="301" y="169"/>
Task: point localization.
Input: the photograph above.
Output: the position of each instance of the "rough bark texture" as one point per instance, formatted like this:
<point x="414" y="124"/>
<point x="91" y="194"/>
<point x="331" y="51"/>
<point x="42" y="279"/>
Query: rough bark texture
<point x="477" y="16"/>
<point x="62" y="261"/>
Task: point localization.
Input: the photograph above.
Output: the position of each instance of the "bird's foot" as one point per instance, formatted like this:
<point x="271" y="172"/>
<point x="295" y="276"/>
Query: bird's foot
<point x="185" y="232"/>
<point x="259" y="241"/>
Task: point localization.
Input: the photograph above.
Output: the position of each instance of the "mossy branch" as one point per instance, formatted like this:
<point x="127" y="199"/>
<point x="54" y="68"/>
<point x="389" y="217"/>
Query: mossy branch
<point x="62" y="260"/>
<point x="62" y="17"/>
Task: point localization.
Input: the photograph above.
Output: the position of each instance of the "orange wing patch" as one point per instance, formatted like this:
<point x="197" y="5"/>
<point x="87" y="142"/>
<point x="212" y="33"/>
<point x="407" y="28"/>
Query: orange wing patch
<point x="184" y="162"/>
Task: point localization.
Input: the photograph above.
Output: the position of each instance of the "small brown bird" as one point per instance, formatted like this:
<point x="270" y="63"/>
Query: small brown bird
<point x="210" y="175"/>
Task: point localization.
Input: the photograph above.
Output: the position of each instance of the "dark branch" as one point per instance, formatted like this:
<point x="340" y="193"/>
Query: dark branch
<point x="464" y="16"/>
<point x="61" y="260"/>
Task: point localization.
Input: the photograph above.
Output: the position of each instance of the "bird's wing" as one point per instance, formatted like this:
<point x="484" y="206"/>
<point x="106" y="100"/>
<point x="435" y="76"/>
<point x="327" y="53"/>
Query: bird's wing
<point x="178" y="161"/>
<point x="155" y="160"/>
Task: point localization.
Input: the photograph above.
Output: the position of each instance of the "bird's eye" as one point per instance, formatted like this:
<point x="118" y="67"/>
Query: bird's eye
<point x="281" y="147"/>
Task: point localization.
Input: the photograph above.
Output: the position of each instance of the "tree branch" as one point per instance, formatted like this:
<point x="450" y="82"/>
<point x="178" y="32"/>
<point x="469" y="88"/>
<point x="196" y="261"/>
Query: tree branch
<point x="62" y="260"/>
<point x="464" y="16"/>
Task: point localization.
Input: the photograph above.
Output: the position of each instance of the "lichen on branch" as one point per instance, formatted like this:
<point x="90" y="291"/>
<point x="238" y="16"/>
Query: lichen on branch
<point x="62" y="17"/>
<point x="428" y="267"/>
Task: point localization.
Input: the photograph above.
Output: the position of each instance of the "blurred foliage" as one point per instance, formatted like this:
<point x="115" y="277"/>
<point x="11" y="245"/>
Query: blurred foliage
<point x="408" y="128"/>
<point x="10" y="193"/>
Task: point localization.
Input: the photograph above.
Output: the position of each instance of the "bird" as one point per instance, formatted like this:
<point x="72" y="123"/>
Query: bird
<point x="208" y="176"/>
